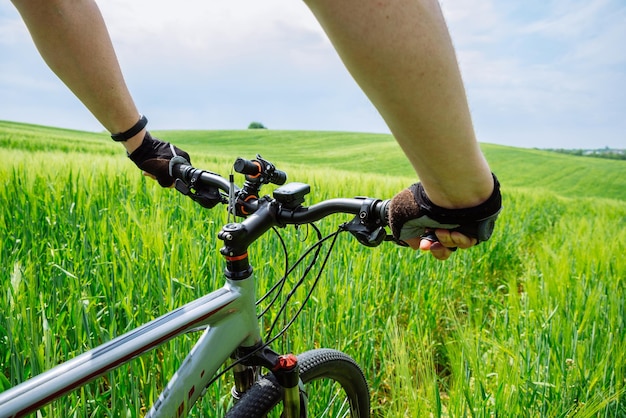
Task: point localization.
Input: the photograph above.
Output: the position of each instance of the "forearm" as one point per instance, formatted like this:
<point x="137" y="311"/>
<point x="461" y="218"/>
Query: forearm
<point x="401" y="55"/>
<point x="73" y="40"/>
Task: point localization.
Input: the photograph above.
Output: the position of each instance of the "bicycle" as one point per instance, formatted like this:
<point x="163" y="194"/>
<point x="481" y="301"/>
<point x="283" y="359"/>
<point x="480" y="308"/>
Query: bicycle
<point x="229" y="315"/>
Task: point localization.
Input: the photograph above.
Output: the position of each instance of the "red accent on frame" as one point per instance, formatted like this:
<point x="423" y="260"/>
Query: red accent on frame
<point x="286" y="362"/>
<point x="237" y="257"/>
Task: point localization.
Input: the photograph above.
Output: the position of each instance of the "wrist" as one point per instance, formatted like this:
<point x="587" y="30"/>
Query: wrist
<point x="464" y="192"/>
<point x="133" y="137"/>
<point x="135" y="141"/>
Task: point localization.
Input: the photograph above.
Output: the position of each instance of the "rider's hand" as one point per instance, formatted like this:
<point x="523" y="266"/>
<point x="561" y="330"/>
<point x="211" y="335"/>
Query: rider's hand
<point x="412" y="215"/>
<point x="153" y="157"/>
<point x="447" y="242"/>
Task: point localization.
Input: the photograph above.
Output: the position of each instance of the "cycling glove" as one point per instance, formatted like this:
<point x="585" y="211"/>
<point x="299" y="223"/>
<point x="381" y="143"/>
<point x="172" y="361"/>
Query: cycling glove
<point x="411" y="214"/>
<point x="153" y="156"/>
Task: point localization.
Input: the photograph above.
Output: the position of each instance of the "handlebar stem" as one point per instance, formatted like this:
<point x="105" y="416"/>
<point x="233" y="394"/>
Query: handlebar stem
<point x="264" y="213"/>
<point x="238" y="237"/>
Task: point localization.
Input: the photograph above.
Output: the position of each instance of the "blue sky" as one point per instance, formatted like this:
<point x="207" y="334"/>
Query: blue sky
<point x="547" y="74"/>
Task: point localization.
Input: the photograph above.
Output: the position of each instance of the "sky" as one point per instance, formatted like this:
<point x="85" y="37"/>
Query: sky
<point x="538" y="73"/>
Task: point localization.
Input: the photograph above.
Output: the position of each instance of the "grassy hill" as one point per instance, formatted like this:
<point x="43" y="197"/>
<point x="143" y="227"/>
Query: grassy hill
<point x="529" y="324"/>
<point x="565" y="175"/>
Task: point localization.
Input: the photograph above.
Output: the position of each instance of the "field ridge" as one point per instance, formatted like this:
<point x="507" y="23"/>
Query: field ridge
<point x="565" y="175"/>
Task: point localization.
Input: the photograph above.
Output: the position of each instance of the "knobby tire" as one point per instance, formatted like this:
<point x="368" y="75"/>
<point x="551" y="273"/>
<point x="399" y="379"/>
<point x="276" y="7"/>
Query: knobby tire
<point x="321" y="366"/>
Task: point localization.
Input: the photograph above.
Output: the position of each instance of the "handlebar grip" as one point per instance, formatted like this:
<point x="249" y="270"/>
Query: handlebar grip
<point x="179" y="166"/>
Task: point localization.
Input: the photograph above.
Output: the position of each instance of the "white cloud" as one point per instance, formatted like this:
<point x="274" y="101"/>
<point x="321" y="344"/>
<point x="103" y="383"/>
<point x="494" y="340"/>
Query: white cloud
<point x="533" y="69"/>
<point x="553" y="66"/>
<point x="216" y="63"/>
<point x="11" y="27"/>
<point x="568" y="19"/>
<point x="473" y="22"/>
<point x="212" y="35"/>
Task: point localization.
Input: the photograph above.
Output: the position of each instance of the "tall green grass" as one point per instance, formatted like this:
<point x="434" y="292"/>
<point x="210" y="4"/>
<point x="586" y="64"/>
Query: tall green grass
<point x="518" y="168"/>
<point x="530" y="323"/>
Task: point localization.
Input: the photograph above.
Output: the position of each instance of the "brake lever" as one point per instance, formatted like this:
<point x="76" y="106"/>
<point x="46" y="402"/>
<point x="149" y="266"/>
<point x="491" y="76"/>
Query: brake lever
<point x="370" y="237"/>
<point x="396" y="241"/>
<point x="207" y="198"/>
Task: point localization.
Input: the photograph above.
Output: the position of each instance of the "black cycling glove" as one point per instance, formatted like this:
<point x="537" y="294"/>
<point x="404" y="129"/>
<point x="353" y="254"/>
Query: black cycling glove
<point x="153" y="156"/>
<point x="411" y="213"/>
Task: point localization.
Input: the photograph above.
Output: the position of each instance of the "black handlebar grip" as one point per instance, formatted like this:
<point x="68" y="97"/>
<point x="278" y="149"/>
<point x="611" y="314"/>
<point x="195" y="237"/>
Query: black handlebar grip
<point x="179" y="167"/>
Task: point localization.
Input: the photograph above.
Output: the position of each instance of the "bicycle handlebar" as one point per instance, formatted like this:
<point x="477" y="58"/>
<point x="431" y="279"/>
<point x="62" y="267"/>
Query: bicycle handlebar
<point x="323" y="209"/>
<point x="180" y="169"/>
<point x="286" y="204"/>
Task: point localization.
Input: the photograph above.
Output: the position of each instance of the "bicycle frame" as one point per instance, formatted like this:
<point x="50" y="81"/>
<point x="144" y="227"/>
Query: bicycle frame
<point x="229" y="316"/>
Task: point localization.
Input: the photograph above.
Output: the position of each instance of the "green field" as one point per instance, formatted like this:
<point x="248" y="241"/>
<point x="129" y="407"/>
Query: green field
<point x="529" y="324"/>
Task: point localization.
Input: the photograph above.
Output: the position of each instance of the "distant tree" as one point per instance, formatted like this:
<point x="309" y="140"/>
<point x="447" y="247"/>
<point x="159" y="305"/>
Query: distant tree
<point x="606" y="152"/>
<point x="256" y="125"/>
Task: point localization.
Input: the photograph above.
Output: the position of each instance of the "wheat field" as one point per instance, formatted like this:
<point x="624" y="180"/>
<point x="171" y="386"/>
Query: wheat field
<point x="529" y="324"/>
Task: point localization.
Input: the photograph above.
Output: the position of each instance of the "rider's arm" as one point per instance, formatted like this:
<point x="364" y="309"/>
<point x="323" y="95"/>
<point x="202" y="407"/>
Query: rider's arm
<point x="72" y="38"/>
<point x="398" y="51"/>
<point x="401" y="55"/>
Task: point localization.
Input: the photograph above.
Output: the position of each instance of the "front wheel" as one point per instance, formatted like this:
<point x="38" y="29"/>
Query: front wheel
<point x="334" y="386"/>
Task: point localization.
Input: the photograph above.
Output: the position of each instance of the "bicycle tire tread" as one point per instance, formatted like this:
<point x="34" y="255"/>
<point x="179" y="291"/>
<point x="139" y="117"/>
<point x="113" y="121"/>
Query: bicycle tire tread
<point x="266" y="392"/>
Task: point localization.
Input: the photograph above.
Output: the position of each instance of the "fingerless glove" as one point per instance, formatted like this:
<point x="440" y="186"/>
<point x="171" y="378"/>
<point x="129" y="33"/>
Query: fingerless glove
<point x="411" y="213"/>
<point x="153" y="156"/>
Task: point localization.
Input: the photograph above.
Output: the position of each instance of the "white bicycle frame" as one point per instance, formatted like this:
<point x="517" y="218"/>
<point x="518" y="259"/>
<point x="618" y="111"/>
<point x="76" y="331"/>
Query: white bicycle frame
<point x="229" y="316"/>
